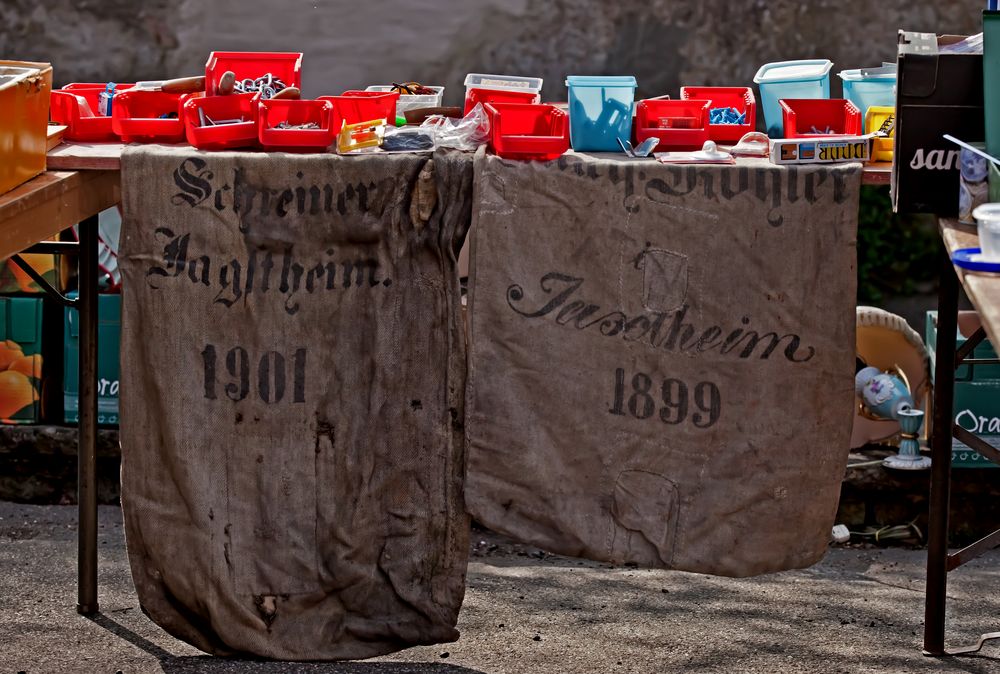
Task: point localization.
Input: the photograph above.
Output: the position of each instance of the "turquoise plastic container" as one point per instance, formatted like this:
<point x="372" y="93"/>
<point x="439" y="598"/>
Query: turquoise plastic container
<point x="809" y="78"/>
<point x="869" y="88"/>
<point x="600" y="111"/>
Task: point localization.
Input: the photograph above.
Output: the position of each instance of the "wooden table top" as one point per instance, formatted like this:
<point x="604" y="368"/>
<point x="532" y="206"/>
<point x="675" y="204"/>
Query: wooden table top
<point x="983" y="289"/>
<point x="44" y="206"/>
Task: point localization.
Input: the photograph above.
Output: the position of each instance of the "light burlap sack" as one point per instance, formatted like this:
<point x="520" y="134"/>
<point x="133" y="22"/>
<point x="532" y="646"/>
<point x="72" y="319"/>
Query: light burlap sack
<point x="292" y="395"/>
<point x="661" y="359"/>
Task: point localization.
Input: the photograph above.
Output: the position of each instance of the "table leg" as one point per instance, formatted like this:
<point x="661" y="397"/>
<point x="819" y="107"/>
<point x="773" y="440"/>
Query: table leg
<point x="941" y="441"/>
<point x="87" y="451"/>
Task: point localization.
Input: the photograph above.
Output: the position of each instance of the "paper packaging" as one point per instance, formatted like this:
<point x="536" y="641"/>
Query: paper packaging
<point x="937" y="93"/>
<point x="835" y="150"/>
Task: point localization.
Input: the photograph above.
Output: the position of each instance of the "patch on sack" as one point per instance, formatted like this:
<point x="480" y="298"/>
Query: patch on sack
<point x="664" y="279"/>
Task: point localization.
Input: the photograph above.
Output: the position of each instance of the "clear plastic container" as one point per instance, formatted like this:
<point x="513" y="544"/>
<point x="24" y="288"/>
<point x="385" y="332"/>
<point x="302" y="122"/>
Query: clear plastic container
<point x="600" y="111"/>
<point x="501" y="83"/>
<point x="988" y="217"/>
<point x="411" y="101"/>
<point x="865" y="88"/>
<point x="809" y="78"/>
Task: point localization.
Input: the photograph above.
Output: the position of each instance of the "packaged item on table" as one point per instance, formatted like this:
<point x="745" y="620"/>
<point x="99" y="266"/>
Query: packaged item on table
<point x="467" y="133"/>
<point x="356" y="138"/>
<point x="834" y="150"/>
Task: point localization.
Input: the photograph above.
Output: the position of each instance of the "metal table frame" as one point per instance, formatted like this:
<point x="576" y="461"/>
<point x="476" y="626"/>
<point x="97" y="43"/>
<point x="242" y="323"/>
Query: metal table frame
<point x="943" y="429"/>
<point x="30" y="216"/>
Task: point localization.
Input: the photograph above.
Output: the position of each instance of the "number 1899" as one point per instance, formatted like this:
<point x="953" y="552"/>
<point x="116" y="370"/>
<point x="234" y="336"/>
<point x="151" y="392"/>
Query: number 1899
<point x="674" y="403"/>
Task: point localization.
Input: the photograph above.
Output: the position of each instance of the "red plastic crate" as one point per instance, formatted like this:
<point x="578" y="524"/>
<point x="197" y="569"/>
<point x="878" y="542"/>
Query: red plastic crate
<point x="741" y="98"/>
<point x="82" y="120"/>
<point x="528" y="131"/>
<point x="136" y="116"/>
<point x="285" y="66"/>
<point x="353" y="107"/>
<point x="679" y="124"/>
<point x="270" y="113"/>
<point x="800" y="115"/>
<point x="485" y="96"/>
<point x="223" y="136"/>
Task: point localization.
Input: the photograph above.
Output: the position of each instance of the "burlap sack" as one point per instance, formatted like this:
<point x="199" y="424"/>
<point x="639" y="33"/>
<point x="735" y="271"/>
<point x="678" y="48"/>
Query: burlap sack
<point x="292" y="394"/>
<point x="661" y="359"/>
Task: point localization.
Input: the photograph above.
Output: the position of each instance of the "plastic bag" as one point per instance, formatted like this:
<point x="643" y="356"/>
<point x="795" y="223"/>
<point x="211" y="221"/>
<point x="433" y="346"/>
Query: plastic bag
<point x="467" y="133"/>
<point x="408" y="139"/>
<point x="970" y="45"/>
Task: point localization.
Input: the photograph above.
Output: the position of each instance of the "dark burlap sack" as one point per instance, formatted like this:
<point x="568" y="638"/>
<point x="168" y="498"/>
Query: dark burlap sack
<point x="661" y="359"/>
<point x="292" y="394"/>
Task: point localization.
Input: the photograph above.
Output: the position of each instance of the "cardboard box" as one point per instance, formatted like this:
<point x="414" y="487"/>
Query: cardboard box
<point x="820" y="150"/>
<point x="108" y="354"/>
<point x="936" y="93"/>
<point x="20" y="359"/>
<point x="977" y="399"/>
<point x="24" y="119"/>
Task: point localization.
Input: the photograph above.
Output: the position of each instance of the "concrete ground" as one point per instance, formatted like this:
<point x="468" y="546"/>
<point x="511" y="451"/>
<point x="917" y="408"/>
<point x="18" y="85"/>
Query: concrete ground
<point x="860" y="610"/>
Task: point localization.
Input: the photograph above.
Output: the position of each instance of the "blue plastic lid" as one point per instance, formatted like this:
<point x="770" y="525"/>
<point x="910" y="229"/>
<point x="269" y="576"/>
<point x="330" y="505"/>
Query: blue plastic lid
<point x="793" y="71"/>
<point x="968" y="258"/>
<point x="600" y="81"/>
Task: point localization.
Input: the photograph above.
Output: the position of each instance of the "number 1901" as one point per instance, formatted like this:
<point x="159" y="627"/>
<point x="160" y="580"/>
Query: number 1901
<point x="675" y="401"/>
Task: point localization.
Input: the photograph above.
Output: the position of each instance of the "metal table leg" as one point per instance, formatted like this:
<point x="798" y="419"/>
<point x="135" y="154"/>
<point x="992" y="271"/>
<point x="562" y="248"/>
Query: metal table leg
<point x="87" y="451"/>
<point x="944" y="392"/>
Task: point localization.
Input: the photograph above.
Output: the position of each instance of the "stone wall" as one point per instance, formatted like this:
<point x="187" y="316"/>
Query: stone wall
<point x="350" y="44"/>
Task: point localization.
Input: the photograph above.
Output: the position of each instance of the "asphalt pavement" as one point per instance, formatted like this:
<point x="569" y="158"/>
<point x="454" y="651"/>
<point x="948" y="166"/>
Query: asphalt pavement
<point x="859" y="610"/>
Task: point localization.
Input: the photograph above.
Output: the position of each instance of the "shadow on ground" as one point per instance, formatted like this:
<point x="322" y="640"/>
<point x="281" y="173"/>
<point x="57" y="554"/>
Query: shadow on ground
<point x="210" y="664"/>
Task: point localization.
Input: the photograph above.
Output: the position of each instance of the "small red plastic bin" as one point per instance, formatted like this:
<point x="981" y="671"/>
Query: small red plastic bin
<point x="528" y="131"/>
<point x="811" y="117"/>
<point x="485" y="96"/>
<point x="679" y="124"/>
<point x="284" y="66"/>
<point x="353" y="107"/>
<point x="271" y="113"/>
<point x="201" y="113"/>
<point x="143" y="116"/>
<point x="741" y="98"/>
<point x="77" y="106"/>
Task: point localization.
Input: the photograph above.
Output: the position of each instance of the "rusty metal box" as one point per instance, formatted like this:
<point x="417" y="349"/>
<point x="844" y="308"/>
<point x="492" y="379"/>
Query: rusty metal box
<point x="24" y="118"/>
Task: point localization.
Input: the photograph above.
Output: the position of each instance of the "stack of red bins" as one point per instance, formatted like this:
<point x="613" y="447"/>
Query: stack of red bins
<point x="527" y="130"/>
<point x="677" y="124"/>
<point x="739" y="98"/>
<point x="77" y="107"/>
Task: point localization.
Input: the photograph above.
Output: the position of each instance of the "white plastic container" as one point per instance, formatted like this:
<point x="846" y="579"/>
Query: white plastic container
<point x="790" y="79"/>
<point x="988" y="217"/>
<point x="480" y="88"/>
<point x="412" y="101"/>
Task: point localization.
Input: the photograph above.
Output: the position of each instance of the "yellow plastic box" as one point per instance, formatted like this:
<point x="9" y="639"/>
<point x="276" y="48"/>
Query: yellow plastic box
<point x="875" y="118"/>
<point x="24" y="118"/>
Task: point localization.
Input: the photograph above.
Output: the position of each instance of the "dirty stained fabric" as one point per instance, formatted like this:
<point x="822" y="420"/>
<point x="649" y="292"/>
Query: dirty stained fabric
<point x="292" y="397"/>
<point x="661" y="359"/>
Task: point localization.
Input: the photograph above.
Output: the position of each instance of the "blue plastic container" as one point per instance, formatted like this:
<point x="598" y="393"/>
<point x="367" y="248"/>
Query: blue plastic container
<point x="790" y="79"/>
<point x="866" y="88"/>
<point x="600" y="111"/>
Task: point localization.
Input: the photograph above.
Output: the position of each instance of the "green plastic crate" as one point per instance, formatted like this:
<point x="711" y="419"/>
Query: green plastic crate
<point x="20" y="359"/>
<point x="977" y="399"/>
<point x="108" y="353"/>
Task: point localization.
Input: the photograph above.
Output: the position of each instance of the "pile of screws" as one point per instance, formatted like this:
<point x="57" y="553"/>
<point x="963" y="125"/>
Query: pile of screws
<point x="268" y="85"/>
<point x="286" y="125"/>
<point x="829" y="130"/>
<point x="726" y="116"/>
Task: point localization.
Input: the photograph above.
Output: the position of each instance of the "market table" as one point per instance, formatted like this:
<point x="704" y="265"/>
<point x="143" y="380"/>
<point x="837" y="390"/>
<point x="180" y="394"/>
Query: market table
<point x="31" y="215"/>
<point x="983" y="290"/>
